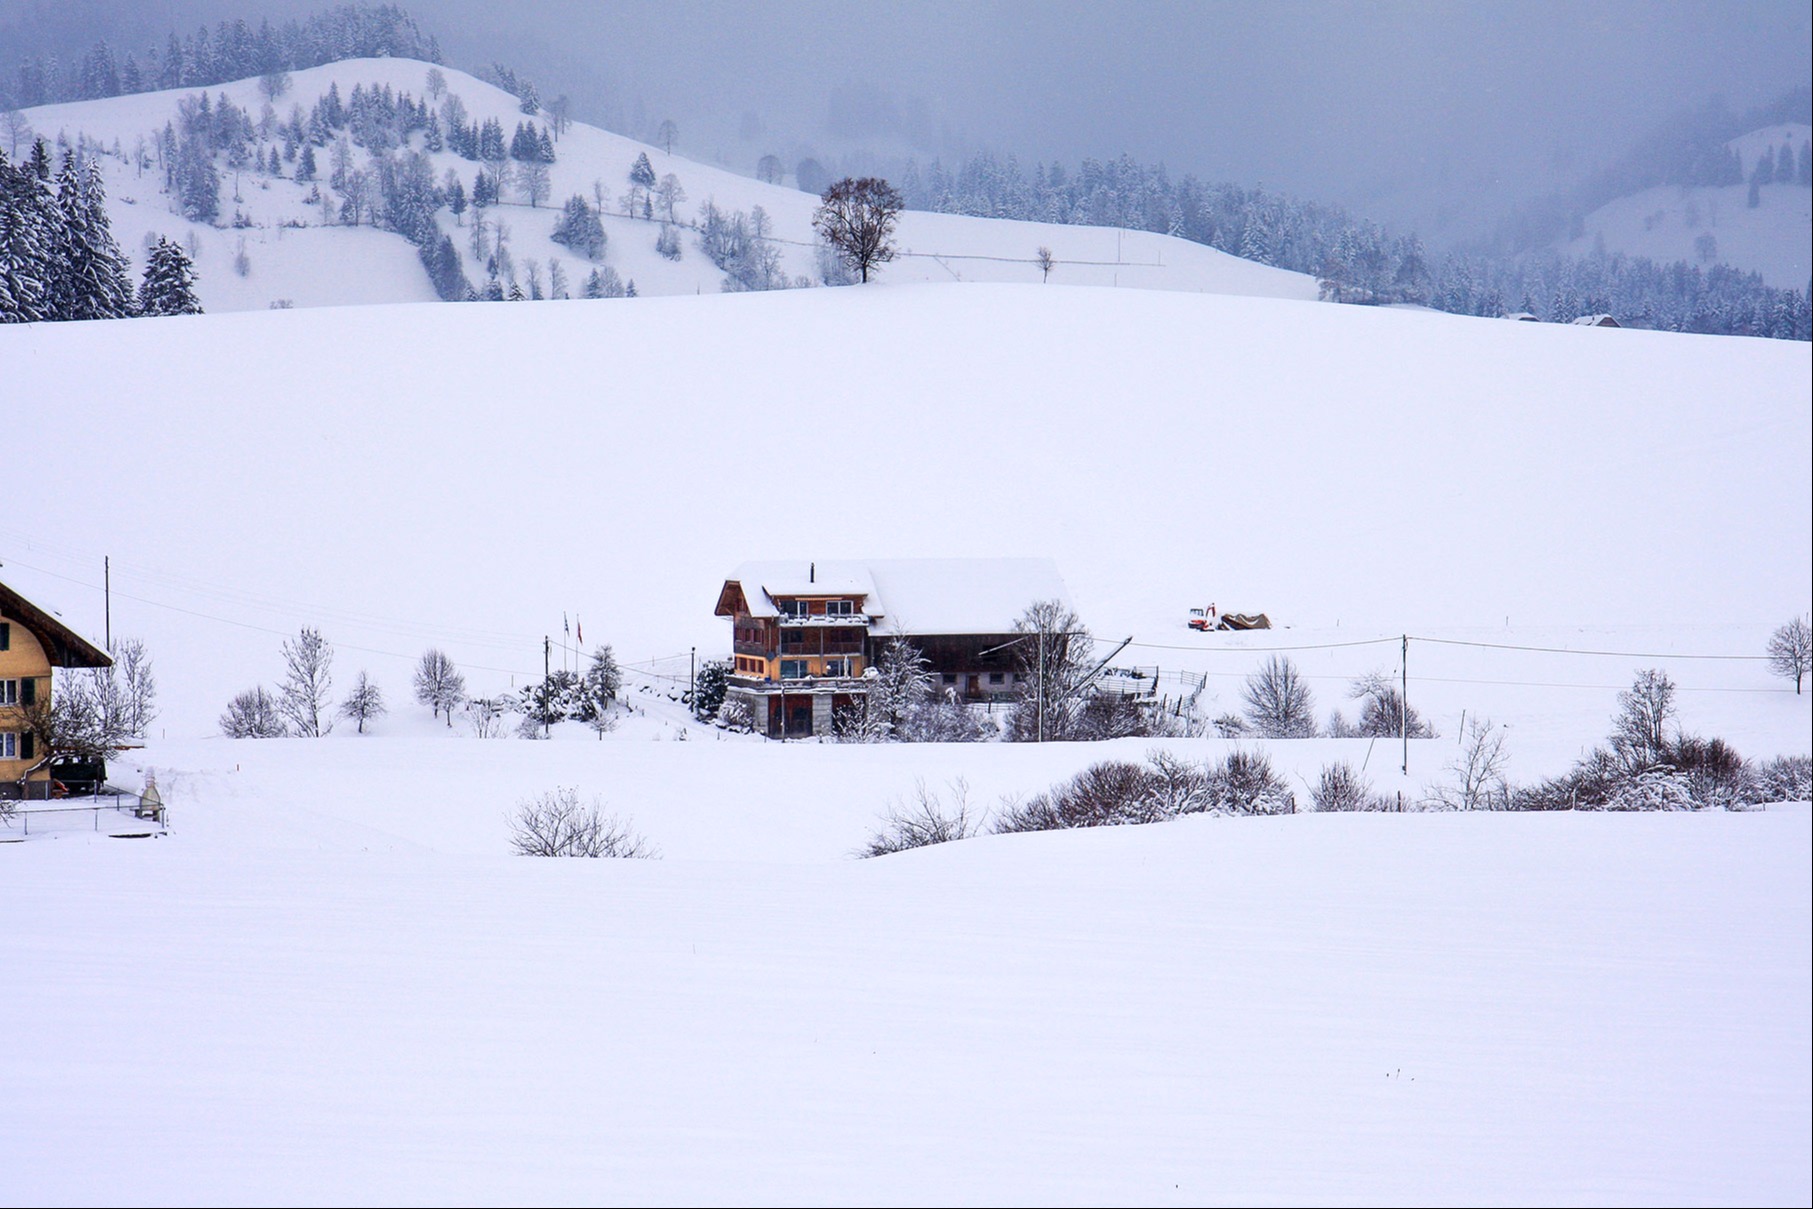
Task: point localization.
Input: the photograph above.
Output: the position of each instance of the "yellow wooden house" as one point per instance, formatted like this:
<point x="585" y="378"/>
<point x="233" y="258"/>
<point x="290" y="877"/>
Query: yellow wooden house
<point x="32" y="643"/>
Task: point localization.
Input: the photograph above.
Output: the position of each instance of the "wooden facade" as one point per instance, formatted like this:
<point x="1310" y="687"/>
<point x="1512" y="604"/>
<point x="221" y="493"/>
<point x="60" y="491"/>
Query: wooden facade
<point x="32" y="643"/>
<point x="800" y="651"/>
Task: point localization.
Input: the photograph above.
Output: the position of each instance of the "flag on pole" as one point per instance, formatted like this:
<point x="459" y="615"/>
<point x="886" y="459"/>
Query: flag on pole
<point x="579" y="628"/>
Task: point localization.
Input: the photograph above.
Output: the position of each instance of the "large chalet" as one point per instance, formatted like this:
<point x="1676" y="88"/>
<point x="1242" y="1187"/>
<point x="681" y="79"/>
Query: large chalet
<point x="805" y="633"/>
<point x="32" y="642"/>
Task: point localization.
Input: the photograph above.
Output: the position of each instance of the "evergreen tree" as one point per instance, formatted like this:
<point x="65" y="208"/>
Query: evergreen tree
<point x="28" y="234"/>
<point x="95" y="283"/>
<point x="169" y="284"/>
<point x="642" y="172"/>
<point x="579" y="228"/>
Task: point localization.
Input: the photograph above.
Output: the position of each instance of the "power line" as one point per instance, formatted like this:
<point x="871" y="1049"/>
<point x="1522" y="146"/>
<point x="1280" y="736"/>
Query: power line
<point x="1557" y="650"/>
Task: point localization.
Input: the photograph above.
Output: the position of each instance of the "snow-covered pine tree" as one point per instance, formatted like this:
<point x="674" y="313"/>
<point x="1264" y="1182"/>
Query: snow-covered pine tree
<point x="28" y="222"/>
<point x="95" y="282"/>
<point x="642" y="172"/>
<point x="169" y="284"/>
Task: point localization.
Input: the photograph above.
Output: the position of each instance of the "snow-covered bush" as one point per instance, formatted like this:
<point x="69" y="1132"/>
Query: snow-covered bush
<point x="1246" y="783"/>
<point x="1107" y="794"/>
<point x="924" y="820"/>
<point x="1341" y="788"/>
<point x="558" y="824"/>
<point x="1652" y="789"/>
<point x="1783" y="779"/>
<point x="736" y="716"/>
<point x="252" y="715"/>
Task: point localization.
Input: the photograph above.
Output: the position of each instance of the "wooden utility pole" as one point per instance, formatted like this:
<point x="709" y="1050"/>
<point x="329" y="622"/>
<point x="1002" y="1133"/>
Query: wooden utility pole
<point x="547" y="705"/>
<point x="107" y="597"/>
<point x="1404" y="704"/>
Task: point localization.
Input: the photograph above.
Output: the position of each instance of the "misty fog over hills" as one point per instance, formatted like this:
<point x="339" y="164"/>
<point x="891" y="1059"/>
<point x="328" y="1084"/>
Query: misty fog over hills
<point x="1443" y="119"/>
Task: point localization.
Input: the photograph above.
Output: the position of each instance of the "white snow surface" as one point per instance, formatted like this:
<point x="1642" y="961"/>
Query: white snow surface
<point x="294" y="258"/>
<point x="1774" y="240"/>
<point x="331" y="982"/>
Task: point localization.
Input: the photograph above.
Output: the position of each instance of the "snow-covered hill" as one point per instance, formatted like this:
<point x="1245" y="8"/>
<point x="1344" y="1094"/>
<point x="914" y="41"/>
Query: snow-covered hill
<point x="463" y="476"/>
<point x="291" y="256"/>
<point x="329" y="981"/>
<point x="1705" y="224"/>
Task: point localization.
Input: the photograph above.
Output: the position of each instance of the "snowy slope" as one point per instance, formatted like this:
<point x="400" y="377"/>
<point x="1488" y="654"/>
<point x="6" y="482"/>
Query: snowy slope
<point x="311" y="266"/>
<point x="329" y="982"/>
<point x="1378" y="1009"/>
<point x="1665" y="223"/>
<point x="1353" y="472"/>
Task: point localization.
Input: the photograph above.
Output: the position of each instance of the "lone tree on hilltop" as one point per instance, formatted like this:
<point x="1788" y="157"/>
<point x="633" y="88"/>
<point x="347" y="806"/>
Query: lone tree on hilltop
<point x="856" y="217"/>
<point x="1791" y="651"/>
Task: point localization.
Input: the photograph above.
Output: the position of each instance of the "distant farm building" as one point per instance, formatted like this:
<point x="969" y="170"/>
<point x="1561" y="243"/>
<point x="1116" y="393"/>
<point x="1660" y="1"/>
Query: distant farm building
<point x="1596" y="321"/>
<point x="806" y="633"/>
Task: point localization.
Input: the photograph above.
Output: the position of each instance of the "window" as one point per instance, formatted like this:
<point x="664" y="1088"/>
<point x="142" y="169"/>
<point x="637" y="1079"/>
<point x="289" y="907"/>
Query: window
<point x="997" y="677"/>
<point x="793" y="640"/>
<point x="837" y="667"/>
<point x="6" y="635"/>
<point x="840" y="608"/>
<point x="949" y="680"/>
<point x="795" y="669"/>
<point x="791" y="608"/>
<point x="9" y="745"/>
<point x="9" y="692"/>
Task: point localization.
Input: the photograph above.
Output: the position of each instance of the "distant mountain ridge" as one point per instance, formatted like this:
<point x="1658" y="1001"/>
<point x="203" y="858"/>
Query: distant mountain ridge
<point x="374" y="219"/>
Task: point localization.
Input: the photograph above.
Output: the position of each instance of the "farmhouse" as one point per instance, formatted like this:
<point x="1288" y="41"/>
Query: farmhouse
<point x="32" y="642"/>
<point x="806" y="633"/>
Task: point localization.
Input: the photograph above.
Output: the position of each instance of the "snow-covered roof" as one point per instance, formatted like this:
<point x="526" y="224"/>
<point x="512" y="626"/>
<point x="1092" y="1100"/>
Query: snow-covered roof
<point x="1596" y="321"/>
<point x="1523" y="317"/>
<point x="913" y="595"/>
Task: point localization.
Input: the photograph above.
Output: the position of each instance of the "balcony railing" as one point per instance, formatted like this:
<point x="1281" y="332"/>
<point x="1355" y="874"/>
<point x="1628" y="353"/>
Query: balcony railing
<point x="825" y="619"/>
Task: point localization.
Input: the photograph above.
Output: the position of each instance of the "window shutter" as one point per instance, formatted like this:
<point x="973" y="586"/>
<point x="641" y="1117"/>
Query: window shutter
<point x="6" y="635"/>
<point x="28" y="691"/>
<point x="25" y="744"/>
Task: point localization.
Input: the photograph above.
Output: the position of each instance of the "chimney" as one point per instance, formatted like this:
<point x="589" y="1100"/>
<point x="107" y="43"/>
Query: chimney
<point x="811" y="573"/>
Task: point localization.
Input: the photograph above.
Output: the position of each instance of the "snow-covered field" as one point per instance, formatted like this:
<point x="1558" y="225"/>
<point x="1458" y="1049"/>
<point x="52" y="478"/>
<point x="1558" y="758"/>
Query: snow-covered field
<point x="1381" y="1009"/>
<point x="330" y="981"/>
<point x="1666" y="223"/>
<point x="294" y="258"/>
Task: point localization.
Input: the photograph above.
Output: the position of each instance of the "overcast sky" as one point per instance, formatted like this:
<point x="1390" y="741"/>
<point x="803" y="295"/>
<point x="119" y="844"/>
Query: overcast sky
<point x="1354" y="102"/>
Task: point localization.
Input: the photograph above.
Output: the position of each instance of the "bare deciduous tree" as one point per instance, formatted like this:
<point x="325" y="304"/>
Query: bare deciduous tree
<point x="438" y="684"/>
<point x="856" y="217"/>
<point x="770" y="169"/>
<point x="16" y="127"/>
<point x="1278" y="701"/>
<point x="138" y="687"/>
<point x="666" y="134"/>
<point x="364" y="703"/>
<point x="1640" y="731"/>
<point x="1046" y="263"/>
<point x="484" y="715"/>
<point x="558" y="824"/>
<point x="1791" y="650"/>
<point x="1479" y="770"/>
<point x="302" y="698"/>
<point x="1053" y="660"/>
